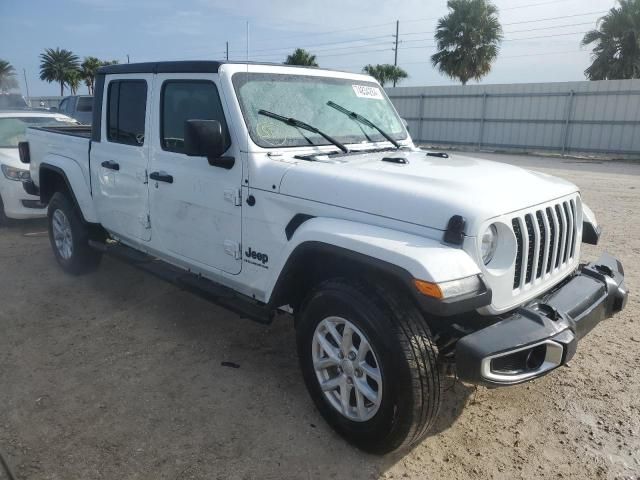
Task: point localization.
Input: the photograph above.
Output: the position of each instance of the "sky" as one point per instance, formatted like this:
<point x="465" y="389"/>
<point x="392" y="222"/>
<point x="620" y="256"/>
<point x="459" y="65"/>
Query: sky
<point x="541" y="37"/>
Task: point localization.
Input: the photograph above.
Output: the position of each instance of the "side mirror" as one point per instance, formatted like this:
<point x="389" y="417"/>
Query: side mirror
<point x="204" y="138"/>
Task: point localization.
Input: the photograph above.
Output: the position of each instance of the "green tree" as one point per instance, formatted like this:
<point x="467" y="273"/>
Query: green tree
<point x="88" y="70"/>
<point x="616" y="54"/>
<point x="74" y="79"/>
<point x="385" y="73"/>
<point x="7" y="76"/>
<point x="468" y="39"/>
<point x="57" y="65"/>
<point x="301" y="57"/>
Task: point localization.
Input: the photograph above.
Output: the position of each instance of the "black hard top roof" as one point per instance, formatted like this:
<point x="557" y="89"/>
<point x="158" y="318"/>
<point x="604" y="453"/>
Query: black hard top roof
<point x="181" y="66"/>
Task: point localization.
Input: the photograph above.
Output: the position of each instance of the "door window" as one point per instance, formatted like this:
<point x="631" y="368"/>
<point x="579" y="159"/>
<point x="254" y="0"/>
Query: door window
<point x="126" y="111"/>
<point x="187" y="100"/>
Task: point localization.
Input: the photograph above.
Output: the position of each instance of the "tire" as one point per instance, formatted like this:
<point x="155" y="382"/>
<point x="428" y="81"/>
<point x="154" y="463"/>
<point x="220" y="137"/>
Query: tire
<point x="69" y="237"/>
<point x="402" y="350"/>
<point x="4" y="221"/>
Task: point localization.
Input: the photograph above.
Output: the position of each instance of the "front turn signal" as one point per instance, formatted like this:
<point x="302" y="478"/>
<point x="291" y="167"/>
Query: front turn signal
<point x="429" y="289"/>
<point x="453" y="288"/>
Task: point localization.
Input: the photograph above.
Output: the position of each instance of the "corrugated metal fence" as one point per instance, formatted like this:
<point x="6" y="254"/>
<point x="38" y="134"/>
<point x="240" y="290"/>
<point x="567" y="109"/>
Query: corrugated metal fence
<point x="598" y="117"/>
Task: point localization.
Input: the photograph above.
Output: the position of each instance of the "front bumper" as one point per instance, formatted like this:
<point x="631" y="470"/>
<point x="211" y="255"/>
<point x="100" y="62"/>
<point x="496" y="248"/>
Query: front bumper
<point x="18" y="204"/>
<point x="542" y="335"/>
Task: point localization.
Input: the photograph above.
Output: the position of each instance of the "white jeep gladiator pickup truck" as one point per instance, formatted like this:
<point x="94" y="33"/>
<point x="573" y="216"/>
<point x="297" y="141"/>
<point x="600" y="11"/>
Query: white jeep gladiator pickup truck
<point x="267" y="187"/>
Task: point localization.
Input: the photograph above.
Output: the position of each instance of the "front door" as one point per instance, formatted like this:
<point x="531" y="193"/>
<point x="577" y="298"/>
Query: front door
<point x="195" y="207"/>
<point x="119" y="161"/>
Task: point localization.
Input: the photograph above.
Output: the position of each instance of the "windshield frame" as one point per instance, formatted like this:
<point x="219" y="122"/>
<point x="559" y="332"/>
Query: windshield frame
<point x="238" y="79"/>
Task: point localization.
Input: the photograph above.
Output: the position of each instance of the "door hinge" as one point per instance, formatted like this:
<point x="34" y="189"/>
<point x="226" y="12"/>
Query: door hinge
<point x="233" y="196"/>
<point x="233" y="248"/>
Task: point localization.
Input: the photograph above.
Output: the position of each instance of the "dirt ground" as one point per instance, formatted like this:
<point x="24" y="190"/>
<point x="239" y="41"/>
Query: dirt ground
<point x="118" y="375"/>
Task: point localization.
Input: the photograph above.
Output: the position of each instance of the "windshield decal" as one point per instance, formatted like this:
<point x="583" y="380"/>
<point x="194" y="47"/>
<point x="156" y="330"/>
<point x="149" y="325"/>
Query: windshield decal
<point x="365" y="91"/>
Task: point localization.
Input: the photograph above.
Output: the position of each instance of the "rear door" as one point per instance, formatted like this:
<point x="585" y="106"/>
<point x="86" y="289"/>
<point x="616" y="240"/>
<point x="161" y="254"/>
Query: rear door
<point x="119" y="161"/>
<point x="196" y="213"/>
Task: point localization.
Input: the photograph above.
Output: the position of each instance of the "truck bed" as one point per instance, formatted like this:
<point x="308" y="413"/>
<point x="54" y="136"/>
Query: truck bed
<point x="60" y="145"/>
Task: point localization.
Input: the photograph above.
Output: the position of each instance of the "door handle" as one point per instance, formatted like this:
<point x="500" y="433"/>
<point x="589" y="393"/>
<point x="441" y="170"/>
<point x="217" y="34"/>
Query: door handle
<point x="111" y="165"/>
<point x="161" y="177"/>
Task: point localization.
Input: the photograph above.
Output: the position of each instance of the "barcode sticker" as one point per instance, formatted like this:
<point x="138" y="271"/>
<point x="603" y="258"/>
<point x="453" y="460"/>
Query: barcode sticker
<point x="365" y="91"/>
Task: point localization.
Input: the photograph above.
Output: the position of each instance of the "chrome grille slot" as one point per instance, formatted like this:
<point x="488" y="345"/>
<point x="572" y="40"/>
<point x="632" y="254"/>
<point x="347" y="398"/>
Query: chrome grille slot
<point x="546" y="242"/>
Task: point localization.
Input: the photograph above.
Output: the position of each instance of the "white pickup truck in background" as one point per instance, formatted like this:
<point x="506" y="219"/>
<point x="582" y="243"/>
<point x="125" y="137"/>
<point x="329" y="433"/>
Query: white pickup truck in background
<point x="265" y="187"/>
<point x="15" y="202"/>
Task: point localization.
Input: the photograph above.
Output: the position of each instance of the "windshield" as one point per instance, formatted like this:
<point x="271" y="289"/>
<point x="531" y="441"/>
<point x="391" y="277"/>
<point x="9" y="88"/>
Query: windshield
<point x="13" y="129"/>
<point x="305" y="98"/>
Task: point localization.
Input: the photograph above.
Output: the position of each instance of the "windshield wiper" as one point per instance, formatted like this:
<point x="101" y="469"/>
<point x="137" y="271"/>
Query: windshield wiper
<point x="305" y="126"/>
<point x="365" y="121"/>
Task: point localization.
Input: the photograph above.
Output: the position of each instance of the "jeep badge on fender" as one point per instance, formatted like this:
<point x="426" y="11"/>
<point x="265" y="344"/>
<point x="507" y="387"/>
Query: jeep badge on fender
<point x="261" y="257"/>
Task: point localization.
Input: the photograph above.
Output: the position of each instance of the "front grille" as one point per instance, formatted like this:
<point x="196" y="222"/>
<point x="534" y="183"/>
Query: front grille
<point x="545" y="241"/>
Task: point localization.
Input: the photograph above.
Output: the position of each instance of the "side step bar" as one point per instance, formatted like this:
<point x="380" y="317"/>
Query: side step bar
<point x="185" y="280"/>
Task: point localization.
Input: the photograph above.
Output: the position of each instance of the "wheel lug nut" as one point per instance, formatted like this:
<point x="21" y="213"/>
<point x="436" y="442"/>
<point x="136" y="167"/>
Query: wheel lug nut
<point x="358" y="372"/>
<point x="350" y="380"/>
<point x="340" y="355"/>
<point x="352" y="356"/>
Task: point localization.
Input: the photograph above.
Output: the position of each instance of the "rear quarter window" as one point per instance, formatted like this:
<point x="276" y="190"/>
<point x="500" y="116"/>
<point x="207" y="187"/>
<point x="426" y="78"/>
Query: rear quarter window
<point x="85" y="104"/>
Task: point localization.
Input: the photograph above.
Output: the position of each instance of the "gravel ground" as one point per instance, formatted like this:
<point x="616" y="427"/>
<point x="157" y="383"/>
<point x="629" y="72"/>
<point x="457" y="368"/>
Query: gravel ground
<point x="119" y="375"/>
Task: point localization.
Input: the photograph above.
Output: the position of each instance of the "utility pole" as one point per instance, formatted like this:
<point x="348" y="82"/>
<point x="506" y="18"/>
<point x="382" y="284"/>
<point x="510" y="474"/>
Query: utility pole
<point x="395" y="60"/>
<point x="127" y="58"/>
<point x="227" y="51"/>
<point x="26" y="85"/>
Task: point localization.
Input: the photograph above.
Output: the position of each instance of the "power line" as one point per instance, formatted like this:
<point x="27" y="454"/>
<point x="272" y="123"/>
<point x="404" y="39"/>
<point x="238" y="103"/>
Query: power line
<point x="534" y="5"/>
<point x="368" y="43"/>
<point x="323" y="51"/>
<point x="368" y="27"/>
<point x="555" y="18"/>
<point x="322" y="44"/>
<point x="427" y="62"/>
<point x="350" y="29"/>
<point x="543" y="36"/>
<point x="426" y="19"/>
<point x="520" y="23"/>
<point x="513" y="31"/>
<point x="506" y="39"/>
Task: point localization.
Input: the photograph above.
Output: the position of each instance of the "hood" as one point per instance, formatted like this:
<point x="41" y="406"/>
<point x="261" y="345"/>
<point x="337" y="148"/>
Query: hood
<point x="426" y="190"/>
<point x="11" y="156"/>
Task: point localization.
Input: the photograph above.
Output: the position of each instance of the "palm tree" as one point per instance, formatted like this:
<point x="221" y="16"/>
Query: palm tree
<point x="7" y="76"/>
<point x="301" y="57"/>
<point x="55" y="65"/>
<point x="88" y="70"/>
<point x="73" y="80"/>
<point x="468" y="39"/>
<point x="616" y="54"/>
<point x="384" y="73"/>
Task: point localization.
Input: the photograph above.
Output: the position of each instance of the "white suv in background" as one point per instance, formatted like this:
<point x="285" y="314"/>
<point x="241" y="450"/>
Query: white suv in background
<point x="15" y="202"/>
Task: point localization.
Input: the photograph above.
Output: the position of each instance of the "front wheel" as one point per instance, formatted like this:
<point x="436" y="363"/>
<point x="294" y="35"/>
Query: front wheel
<point x="369" y="363"/>
<point x="69" y="237"/>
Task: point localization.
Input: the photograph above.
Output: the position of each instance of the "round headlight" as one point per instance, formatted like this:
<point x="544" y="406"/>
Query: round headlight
<point x="489" y="243"/>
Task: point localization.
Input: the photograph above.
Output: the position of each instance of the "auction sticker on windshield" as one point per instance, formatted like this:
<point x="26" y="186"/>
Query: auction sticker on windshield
<point x="365" y="91"/>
